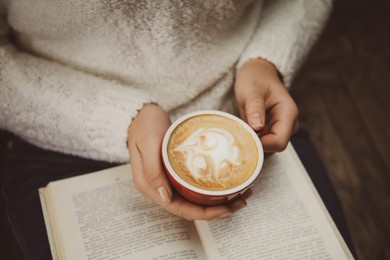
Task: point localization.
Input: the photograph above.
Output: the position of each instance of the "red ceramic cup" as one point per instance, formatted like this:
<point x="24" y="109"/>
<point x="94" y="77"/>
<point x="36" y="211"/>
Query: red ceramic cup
<point x="203" y="196"/>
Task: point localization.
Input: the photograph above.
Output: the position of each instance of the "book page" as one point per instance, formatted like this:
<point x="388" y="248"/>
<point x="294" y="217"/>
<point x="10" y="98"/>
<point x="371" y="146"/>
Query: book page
<point x="102" y="216"/>
<point x="49" y="229"/>
<point x="284" y="219"/>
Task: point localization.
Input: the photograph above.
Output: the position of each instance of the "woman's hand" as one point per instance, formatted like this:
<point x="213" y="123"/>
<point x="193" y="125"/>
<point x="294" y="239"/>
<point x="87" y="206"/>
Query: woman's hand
<point x="264" y="102"/>
<point x="145" y="137"/>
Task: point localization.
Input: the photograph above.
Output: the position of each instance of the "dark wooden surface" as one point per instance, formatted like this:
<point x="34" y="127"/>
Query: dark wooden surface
<point x="343" y="93"/>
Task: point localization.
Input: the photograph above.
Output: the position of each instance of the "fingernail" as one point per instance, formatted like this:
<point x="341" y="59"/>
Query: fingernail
<point x="162" y="192"/>
<point x="247" y="194"/>
<point x="224" y="215"/>
<point x="256" y="123"/>
<point x="240" y="206"/>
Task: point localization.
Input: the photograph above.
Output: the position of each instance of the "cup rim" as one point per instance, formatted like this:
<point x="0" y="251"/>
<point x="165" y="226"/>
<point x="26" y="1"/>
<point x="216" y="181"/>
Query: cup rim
<point x="238" y="188"/>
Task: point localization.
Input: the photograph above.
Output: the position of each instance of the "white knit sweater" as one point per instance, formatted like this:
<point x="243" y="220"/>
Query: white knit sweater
<point x="73" y="74"/>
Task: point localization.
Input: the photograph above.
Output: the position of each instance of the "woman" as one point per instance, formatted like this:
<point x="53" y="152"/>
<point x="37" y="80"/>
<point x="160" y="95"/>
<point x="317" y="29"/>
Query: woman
<point x="103" y="79"/>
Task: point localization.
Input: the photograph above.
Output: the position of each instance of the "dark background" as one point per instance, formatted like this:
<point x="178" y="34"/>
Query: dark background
<point x="343" y="93"/>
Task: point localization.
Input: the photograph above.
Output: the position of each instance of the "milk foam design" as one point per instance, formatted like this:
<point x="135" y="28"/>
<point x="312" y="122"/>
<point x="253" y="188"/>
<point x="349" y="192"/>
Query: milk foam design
<point x="208" y="151"/>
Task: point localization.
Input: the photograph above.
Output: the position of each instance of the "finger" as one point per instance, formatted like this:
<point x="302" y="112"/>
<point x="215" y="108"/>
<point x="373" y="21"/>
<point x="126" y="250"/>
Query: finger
<point x="255" y="112"/>
<point x="282" y="123"/>
<point x="296" y="126"/>
<point x="137" y="171"/>
<point x="247" y="194"/>
<point x="242" y="113"/>
<point x="185" y="209"/>
<point x="240" y="201"/>
<point x="154" y="175"/>
<point x="238" y="204"/>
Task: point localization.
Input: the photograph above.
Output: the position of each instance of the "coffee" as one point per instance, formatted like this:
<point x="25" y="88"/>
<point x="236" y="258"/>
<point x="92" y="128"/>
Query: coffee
<point x="212" y="152"/>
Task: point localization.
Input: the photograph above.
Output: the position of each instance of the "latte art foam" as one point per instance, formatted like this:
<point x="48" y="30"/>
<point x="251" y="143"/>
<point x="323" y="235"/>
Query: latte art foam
<point x="212" y="152"/>
<point x="208" y="152"/>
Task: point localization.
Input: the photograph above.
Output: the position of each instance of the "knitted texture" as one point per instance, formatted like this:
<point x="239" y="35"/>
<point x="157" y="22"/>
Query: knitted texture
<point x="76" y="73"/>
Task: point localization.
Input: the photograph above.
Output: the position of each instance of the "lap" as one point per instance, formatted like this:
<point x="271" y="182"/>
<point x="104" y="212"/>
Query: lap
<point x="27" y="168"/>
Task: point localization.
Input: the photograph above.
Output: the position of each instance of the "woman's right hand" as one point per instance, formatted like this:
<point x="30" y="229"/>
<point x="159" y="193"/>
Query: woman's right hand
<point x="145" y="137"/>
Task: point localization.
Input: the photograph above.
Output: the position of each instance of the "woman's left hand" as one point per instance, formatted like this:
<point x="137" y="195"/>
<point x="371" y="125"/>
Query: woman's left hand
<point x="264" y="102"/>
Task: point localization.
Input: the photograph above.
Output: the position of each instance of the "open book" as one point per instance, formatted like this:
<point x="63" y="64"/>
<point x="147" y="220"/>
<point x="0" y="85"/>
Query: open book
<point x="102" y="216"/>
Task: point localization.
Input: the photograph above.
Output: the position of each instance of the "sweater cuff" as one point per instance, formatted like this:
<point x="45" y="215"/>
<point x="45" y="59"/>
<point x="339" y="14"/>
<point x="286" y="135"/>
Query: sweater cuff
<point x="281" y="54"/>
<point x="285" y="34"/>
<point x="109" y="123"/>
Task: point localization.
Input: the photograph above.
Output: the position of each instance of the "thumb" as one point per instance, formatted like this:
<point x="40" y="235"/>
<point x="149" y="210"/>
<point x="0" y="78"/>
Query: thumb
<point x="159" y="188"/>
<point x="255" y="112"/>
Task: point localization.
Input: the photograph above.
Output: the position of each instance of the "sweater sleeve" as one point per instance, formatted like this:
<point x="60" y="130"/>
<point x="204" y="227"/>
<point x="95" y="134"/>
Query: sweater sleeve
<point x="63" y="109"/>
<point x="285" y="33"/>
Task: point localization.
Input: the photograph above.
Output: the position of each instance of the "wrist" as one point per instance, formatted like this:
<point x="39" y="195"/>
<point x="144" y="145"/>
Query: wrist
<point x="150" y="116"/>
<point x="145" y="108"/>
<point x="264" y="65"/>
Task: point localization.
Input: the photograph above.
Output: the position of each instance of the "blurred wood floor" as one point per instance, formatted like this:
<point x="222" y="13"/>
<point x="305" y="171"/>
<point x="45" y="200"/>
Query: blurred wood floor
<point x="343" y="93"/>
